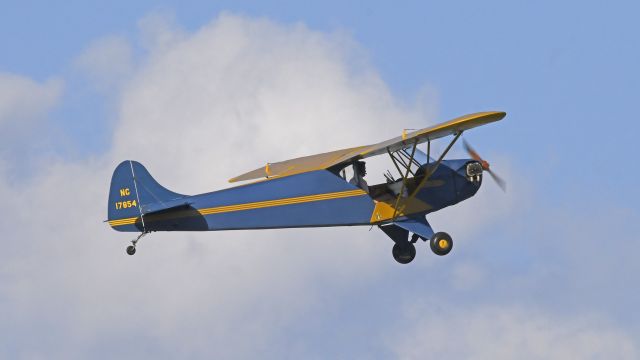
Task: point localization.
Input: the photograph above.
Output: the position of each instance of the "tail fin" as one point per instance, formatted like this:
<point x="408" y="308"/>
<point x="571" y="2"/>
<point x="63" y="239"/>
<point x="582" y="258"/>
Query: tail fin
<point x="132" y="187"/>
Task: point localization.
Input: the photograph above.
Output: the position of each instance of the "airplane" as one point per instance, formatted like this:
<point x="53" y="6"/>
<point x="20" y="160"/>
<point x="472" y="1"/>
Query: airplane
<point x="315" y="191"/>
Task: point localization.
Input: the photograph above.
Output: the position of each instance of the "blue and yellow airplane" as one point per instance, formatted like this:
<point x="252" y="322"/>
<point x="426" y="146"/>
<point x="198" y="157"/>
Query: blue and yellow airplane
<point x="314" y="191"/>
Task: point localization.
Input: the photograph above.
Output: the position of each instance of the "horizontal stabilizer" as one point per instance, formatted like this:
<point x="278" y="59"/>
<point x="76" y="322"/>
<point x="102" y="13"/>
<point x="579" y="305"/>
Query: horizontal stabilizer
<point x="166" y="206"/>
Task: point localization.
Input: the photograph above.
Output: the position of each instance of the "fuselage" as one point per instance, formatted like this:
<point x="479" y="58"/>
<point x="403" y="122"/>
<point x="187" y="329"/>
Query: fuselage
<point x="312" y="199"/>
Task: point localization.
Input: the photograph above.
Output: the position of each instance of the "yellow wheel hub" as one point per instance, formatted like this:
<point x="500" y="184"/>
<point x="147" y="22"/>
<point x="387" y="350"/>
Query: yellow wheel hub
<point x="443" y="243"/>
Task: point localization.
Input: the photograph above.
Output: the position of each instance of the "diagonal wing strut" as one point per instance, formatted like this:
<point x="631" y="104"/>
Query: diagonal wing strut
<point x="401" y="205"/>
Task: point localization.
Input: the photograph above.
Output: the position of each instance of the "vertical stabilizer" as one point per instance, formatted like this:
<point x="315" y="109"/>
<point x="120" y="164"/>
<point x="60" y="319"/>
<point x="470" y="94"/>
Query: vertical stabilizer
<point x="132" y="187"/>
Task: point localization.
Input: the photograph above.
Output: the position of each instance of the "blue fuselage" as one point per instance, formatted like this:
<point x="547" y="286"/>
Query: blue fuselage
<point x="312" y="199"/>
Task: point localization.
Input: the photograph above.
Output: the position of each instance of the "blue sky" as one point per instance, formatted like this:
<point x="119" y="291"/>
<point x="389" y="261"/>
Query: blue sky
<point x="551" y="259"/>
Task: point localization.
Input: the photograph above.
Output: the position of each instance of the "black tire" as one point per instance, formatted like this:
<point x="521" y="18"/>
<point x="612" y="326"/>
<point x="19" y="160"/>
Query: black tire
<point x="131" y="249"/>
<point x="441" y="243"/>
<point x="404" y="253"/>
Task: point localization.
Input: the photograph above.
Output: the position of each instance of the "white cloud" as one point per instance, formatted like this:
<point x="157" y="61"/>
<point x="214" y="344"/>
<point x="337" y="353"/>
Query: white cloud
<point x="25" y="121"/>
<point x="467" y="276"/>
<point x="159" y="31"/>
<point x="490" y="332"/>
<point x="202" y="108"/>
<point x="254" y="90"/>
<point x="23" y="99"/>
<point x="108" y="62"/>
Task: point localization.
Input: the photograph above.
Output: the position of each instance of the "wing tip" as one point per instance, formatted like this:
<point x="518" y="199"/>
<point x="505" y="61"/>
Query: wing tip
<point x="485" y="116"/>
<point x="499" y="115"/>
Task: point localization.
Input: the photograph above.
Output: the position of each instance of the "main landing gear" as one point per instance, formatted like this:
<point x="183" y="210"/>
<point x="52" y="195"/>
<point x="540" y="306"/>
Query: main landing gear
<point x="441" y="243"/>
<point x="404" y="252"/>
<point x="131" y="249"/>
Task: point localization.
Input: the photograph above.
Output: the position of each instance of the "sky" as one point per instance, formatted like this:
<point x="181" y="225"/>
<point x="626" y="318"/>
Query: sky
<point x="200" y="92"/>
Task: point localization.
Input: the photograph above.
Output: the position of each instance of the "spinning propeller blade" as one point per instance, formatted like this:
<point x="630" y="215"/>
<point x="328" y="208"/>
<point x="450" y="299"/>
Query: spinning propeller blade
<point x="485" y="165"/>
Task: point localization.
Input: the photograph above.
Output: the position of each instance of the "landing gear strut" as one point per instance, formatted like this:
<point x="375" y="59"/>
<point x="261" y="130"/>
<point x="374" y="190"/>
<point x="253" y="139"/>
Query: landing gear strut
<point x="131" y="249"/>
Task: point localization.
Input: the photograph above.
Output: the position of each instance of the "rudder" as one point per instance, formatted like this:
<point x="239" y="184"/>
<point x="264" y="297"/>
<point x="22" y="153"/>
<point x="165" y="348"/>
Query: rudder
<point x="132" y="187"/>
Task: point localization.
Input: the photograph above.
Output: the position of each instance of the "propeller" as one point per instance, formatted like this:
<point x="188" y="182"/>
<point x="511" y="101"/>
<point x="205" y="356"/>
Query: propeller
<point x="485" y="165"/>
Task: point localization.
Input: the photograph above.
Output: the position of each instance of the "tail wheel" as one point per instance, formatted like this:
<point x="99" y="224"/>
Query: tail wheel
<point x="441" y="243"/>
<point x="131" y="249"/>
<point x="404" y="253"/>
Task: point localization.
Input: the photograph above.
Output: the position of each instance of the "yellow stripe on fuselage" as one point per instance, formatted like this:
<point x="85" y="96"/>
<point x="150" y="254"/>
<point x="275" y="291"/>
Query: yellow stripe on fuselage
<point x="121" y="222"/>
<point x="259" y="204"/>
<point x="281" y="202"/>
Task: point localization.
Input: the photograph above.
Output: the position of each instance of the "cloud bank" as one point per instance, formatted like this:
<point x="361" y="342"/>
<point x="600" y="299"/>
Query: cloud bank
<point x="489" y="332"/>
<point x="23" y="99"/>
<point x="198" y="110"/>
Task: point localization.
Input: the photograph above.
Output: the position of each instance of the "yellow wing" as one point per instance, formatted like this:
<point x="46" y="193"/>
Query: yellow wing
<point x="301" y="164"/>
<point x="326" y="160"/>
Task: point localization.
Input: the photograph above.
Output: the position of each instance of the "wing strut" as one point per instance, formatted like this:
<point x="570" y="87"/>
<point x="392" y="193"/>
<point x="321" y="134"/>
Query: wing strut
<point x="394" y="162"/>
<point x="426" y="177"/>
<point x="404" y="179"/>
